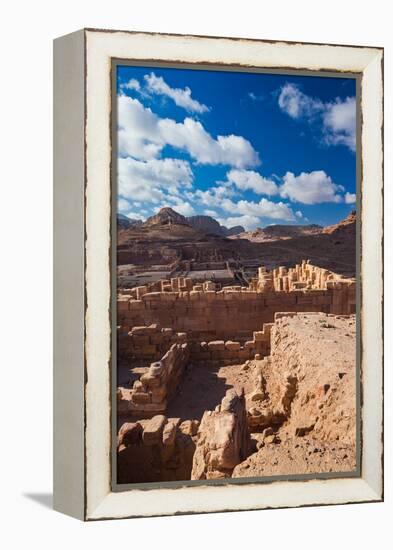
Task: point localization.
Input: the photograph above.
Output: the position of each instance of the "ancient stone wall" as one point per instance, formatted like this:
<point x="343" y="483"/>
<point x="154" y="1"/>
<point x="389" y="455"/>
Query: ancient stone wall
<point x="302" y="276"/>
<point x="229" y="314"/>
<point x="149" y="394"/>
<point x="145" y="343"/>
<point x="232" y="352"/>
<point x="159" y="449"/>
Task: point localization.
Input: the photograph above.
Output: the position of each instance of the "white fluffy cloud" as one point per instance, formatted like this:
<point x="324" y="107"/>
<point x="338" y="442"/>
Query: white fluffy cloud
<point x="297" y="104"/>
<point x="248" y="222"/>
<point x="182" y="97"/>
<point x="337" y="119"/>
<point x="123" y="205"/>
<point x="340" y="123"/>
<point x="212" y="213"/>
<point x="143" y="135"/>
<point x="151" y="180"/>
<point x="248" y="179"/>
<point x="132" y="84"/>
<point x="215" y="196"/>
<point x="311" y="188"/>
<point x="350" y="198"/>
<point x="218" y="198"/>
<point x="184" y="208"/>
<point x="264" y="209"/>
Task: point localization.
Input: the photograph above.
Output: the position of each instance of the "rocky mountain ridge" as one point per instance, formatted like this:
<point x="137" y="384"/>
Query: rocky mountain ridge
<point x="167" y="237"/>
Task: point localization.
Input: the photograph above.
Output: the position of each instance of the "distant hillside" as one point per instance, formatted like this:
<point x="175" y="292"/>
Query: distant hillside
<point x="346" y="226"/>
<point x="168" y="236"/>
<point x="207" y="224"/>
<point x="277" y="232"/>
<point x="124" y="222"/>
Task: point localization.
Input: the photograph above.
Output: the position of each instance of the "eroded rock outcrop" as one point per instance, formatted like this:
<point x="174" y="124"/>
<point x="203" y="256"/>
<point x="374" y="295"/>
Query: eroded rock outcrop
<point x="223" y="439"/>
<point x="303" y="410"/>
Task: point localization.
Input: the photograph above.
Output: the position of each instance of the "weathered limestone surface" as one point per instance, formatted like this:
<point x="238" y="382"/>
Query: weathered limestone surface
<point x="223" y="439"/>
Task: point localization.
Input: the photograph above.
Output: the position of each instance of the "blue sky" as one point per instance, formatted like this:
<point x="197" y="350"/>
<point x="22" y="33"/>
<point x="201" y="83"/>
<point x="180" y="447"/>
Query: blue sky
<point x="247" y="148"/>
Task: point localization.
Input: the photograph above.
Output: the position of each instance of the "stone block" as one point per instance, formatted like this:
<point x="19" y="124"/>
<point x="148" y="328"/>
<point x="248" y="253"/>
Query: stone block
<point x="169" y="431"/>
<point x="141" y="397"/>
<point x="195" y="295"/>
<point x="189" y="427"/>
<point x="249" y="345"/>
<point x="139" y="331"/>
<point x="130" y="433"/>
<point x="140" y="291"/>
<point x="122" y="304"/>
<point x="158" y="394"/>
<point x="150" y="381"/>
<point x="152" y="434"/>
<point x="216" y="345"/>
<point x="233" y="346"/>
<point x="140" y="340"/>
<point x="135" y="306"/>
<point x="147" y="408"/>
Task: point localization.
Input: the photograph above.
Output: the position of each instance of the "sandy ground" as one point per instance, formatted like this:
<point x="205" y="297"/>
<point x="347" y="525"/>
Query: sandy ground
<point x="203" y="388"/>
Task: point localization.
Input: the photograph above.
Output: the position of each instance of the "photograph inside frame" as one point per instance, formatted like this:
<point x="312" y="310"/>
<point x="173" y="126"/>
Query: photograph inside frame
<point x="236" y="252"/>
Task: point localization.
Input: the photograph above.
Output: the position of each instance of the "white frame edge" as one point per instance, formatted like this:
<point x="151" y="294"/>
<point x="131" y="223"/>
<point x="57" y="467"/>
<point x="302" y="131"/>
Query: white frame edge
<point x="101" y="47"/>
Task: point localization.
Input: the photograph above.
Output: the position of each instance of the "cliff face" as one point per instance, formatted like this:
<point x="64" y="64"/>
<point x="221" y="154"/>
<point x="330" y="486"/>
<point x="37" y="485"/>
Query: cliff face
<point x="207" y="224"/>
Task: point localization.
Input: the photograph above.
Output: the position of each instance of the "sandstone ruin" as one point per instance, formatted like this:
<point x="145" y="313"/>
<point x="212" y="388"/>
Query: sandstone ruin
<point x="237" y="381"/>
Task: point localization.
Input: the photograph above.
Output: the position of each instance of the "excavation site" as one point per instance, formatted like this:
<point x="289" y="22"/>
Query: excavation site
<point x="218" y="380"/>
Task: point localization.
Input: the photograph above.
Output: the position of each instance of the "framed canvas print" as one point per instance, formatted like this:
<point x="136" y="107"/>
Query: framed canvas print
<point x="218" y="274"/>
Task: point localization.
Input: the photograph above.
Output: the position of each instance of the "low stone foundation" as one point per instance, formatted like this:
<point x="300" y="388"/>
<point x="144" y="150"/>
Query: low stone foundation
<point x="149" y="394"/>
<point x="152" y="391"/>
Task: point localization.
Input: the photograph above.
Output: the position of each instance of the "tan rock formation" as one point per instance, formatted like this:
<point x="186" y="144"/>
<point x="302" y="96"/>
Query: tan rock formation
<point x="223" y="439"/>
<point x="308" y="406"/>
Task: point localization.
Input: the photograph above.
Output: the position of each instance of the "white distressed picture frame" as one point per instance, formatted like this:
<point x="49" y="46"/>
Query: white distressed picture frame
<point x="82" y="337"/>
